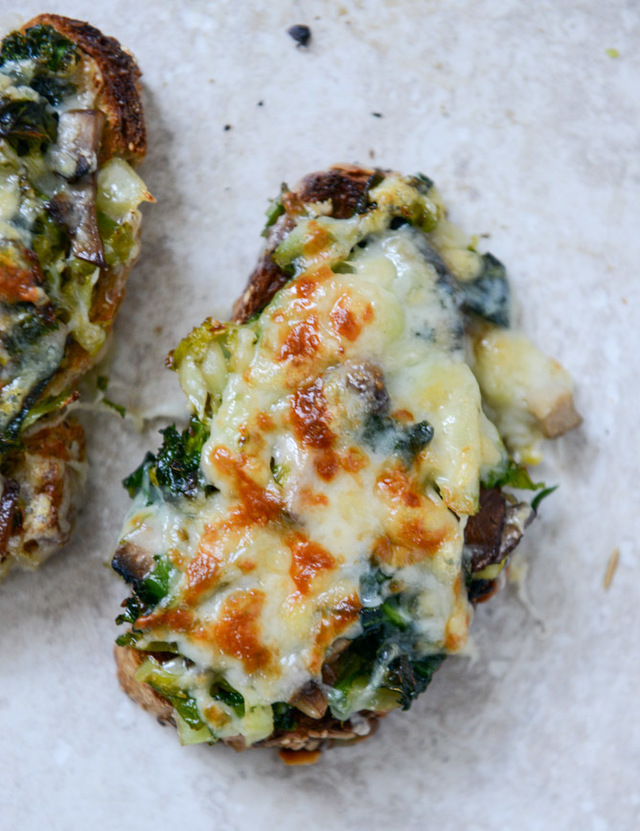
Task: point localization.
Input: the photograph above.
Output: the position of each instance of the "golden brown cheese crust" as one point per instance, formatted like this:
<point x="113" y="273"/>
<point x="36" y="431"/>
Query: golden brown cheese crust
<point x="345" y="186"/>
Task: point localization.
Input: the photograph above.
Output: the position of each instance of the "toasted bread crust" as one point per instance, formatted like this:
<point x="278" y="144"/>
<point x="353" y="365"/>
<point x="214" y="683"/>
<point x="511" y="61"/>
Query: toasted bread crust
<point x="127" y="661"/>
<point x="345" y="185"/>
<point x="309" y="735"/>
<point x="119" y="87"/>
<point x="41" y="496"/>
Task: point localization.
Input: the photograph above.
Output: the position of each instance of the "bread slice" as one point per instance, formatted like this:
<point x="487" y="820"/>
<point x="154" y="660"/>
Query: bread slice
<point x="69" y="272"/>
<point x="491" y="533"/>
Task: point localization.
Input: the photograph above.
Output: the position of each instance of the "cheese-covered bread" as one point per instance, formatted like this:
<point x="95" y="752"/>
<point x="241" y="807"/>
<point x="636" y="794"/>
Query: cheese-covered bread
<point x="71" y="126"/>
<point x="308" y="551"/>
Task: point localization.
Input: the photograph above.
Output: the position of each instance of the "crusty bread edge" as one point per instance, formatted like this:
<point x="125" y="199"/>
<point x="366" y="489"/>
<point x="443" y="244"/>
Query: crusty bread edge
<point x="119" y="98"/>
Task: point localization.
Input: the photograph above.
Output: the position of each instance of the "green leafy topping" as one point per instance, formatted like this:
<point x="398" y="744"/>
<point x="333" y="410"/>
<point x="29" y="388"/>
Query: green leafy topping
<point x="148" y="591"/>
<point x="133" y="609"/>
<point x="127" y="638"/>
<point x="118" y="239"/>
<point x="167" y="685"/>
<point x="488" y="294"/>
<point x="382" y="667"/>
<point x="139" y="479"/>
<point x="283" y="716"/>
<point x="178" y="460"/>
<point x="53" y="89"/>
<point x="102" y="382"/>
<point x="274" y="211"/>
<point x="48" y="405"/>
<point x="512" y="475"/>
<point x="381" y="432"/>
<point x="42" y="44"/>
<point x="408" y="678"/>
<point x="222" y="691"/>
<point x="535" y="502"/>
<point x="122" y="411"/>
<point x="175" y="469"/>
<point x="422" y="183"/>
<point x="28" y="121"/>
<point x="155" y="585"/>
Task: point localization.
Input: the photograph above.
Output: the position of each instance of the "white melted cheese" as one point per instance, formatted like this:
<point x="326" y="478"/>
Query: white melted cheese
<point x="394" y="313"/>
<point x="306" y="404"/>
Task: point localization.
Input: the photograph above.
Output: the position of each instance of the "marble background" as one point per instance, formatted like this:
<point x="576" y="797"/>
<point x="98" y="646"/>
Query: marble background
<point x="529" y="125"/>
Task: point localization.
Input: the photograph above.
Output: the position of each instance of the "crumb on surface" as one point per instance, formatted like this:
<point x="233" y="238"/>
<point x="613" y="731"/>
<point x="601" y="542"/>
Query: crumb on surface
<point x="612" y="565"/>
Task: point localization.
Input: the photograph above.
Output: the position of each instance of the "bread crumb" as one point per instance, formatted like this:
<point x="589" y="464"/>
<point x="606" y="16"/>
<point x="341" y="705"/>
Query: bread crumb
<point x="612" y="566"/>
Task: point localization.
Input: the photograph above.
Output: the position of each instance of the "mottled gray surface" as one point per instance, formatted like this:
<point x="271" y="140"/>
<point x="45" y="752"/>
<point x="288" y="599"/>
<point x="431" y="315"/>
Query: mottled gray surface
<point x="531" y="131"/>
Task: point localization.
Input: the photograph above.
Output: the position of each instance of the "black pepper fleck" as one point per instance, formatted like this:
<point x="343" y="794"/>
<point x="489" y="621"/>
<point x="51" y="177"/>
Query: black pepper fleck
<point x="227" y="127"/>
<point x="300" y="33"/>
<point x="377" y="115"/>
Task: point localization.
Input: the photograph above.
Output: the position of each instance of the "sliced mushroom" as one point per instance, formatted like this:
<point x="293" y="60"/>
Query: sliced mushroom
<point x="311" y="701"/>
<point x="493" y="533"/>
<point x="75" y="153"/>
<point x="368" y="381"/>
<point x="75" y="208"/>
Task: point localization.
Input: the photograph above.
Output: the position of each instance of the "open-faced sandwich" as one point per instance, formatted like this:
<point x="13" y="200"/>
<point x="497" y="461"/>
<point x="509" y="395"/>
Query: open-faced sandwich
<point x="308" y="551"/>
<point x="71" y="126"/>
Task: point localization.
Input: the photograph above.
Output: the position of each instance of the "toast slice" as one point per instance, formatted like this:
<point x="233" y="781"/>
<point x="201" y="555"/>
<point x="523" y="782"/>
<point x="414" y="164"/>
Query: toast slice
<point x="185" y="610"/>
<point x="71" y="126"/>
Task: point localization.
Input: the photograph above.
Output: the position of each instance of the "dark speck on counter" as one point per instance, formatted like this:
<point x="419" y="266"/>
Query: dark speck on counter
<point x="377" y="115"/>
<point x="300" y="33"/>
<point x="227" y="127"/>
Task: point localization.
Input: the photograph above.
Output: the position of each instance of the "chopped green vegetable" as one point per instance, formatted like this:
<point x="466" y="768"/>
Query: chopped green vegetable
<point x="102" y="382"/>
<point x="283" y="716"/>
<point x="178" y="460"/>
<point x="274" y="211"/>
<point x="139" y="479"/>
<point x="122" y="411"/>
<point x="55" y="90"/>
<point x="385" y="433"/>
<point x="222" y="691"/>
<point x="29" y="121"/>
<point x="175" y="469"/>
<point x="542" y="495"/>
<point x="155" y="585"/>
<point x="488" y="294"/>
<point x="511" y="475"/>
<point x="42" y="44"/>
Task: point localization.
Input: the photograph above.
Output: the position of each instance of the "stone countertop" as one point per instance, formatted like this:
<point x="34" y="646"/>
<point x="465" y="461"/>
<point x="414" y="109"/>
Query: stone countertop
<point x="528" y="122"/>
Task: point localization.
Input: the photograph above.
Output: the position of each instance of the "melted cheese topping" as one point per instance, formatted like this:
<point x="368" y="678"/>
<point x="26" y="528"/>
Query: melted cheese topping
<point x="315" y="406"/>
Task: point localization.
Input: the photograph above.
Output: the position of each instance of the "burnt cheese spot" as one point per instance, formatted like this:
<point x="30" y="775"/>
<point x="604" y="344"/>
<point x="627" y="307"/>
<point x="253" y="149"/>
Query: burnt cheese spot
<point x="172" y="620"/>
<point x="308" y="559"/>
<point x="334" y="622"/>
<point x="302" y="342"/>
<point x="257" y="505"/>
<point x="237" y="632"/>
<point x="20" y="275"/>
<point x="415" y="528"/>
<point x="310" y="418"/>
